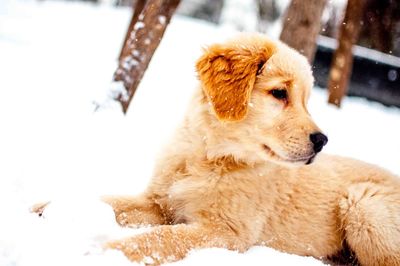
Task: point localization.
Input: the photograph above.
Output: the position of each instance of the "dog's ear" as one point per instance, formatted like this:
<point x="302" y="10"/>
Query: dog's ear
<point x="228" y="73"/>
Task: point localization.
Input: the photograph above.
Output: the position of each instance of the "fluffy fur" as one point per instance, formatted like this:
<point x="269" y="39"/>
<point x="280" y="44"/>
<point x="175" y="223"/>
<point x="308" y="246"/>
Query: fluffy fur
<point x="235" y="175"/>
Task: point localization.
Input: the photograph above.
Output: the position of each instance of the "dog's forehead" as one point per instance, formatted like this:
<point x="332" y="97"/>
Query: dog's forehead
<point x="289" y="65"/>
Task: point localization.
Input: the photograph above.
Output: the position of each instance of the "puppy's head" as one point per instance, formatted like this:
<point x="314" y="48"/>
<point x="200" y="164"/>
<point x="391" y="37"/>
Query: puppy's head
<point x="258" y="90"/>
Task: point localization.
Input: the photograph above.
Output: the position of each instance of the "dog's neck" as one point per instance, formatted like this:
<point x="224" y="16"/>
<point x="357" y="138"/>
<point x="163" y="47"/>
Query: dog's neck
<point x="209" y="138"/>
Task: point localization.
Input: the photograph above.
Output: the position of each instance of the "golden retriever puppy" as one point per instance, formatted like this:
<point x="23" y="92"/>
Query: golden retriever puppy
<point x="240" y="171"/>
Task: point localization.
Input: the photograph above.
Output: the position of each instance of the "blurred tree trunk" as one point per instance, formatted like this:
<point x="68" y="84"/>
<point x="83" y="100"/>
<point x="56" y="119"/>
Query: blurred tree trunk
<point x="144" y="38"/>
<point x="267" y="13"/>
<point x="342" y="61"/>
<point x="301" y="26"/>
<point x="382" y="22"/>
<point x="209" y="10"/>
<point x="396" y="38"/>
<point x="268" y="10"/>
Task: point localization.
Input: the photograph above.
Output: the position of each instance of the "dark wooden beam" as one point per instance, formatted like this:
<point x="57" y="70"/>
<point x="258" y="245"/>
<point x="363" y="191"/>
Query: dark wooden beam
<point x="144" y="37"/>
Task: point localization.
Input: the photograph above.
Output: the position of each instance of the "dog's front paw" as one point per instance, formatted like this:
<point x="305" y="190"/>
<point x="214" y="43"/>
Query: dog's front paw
<point x="131" y="250"/>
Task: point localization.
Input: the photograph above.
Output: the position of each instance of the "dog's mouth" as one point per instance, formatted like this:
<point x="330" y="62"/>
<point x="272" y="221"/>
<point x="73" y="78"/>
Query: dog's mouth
<point x="306" y="160"/>
<point x="311" y="159"/>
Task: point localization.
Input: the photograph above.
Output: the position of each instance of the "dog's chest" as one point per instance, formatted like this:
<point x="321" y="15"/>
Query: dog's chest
<point x="238" y="195"/>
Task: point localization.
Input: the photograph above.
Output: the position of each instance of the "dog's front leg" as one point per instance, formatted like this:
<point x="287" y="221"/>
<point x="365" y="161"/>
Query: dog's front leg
<point x="168" y="243"/>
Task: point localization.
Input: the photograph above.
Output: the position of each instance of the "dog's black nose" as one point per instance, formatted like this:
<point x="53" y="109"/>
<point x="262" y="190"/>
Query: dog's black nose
<point x="319" y="140"/>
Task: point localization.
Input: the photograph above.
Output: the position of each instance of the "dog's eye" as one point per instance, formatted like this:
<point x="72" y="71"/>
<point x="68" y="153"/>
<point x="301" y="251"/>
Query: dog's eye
<point x="279" y="94"/>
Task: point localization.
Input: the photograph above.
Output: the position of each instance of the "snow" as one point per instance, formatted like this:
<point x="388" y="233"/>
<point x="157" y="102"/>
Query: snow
<point x="139" y="25"/>
<point x="162" y="19"/>
<point x="243" y="9"/>
<point x="56" y="64"/>
<point x="363" y="52"/>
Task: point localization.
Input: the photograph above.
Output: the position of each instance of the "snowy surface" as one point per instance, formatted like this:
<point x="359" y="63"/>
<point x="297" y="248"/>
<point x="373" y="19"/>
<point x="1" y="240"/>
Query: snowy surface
<point x="56" y="61"/>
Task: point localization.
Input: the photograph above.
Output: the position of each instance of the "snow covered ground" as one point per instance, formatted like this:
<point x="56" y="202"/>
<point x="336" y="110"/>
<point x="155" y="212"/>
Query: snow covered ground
<point x="56" y="60"/>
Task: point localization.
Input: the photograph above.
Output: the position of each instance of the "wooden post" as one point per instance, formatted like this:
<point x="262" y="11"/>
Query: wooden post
<point x="137" y="9"/>
<point x="342" y="62"/>
<point x="301" y="26"/>
<point x="144" y="38"/>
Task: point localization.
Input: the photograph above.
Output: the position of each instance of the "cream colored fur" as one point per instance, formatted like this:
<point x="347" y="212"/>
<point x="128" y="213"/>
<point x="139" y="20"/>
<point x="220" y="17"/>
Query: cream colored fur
<point x="239" y="181"/>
